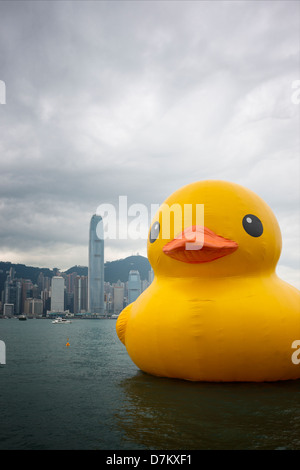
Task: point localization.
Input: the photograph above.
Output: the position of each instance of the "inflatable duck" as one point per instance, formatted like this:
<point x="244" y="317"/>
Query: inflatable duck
<point x="216" y="310"/>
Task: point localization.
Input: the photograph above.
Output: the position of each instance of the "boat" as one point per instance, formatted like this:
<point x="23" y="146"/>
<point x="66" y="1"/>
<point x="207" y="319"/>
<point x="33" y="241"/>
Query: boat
<point x="22" y="317"/>
<point x="60" y="320"/>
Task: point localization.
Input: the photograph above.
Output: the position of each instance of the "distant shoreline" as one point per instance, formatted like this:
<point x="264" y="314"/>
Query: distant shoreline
<point x="71" y="318"/>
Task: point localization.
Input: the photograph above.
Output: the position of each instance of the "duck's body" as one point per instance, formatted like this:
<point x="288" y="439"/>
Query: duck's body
<point x="210" y="326"/>
<point x="216" y="331"/>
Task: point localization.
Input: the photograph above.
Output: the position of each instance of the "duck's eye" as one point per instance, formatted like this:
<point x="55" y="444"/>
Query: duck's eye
<point x="253" y="225"/>
<point x="154" y="232"/>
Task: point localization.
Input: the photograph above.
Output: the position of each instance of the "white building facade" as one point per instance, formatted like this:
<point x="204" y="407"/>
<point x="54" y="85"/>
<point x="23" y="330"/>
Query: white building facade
<point x="57" y="294"/>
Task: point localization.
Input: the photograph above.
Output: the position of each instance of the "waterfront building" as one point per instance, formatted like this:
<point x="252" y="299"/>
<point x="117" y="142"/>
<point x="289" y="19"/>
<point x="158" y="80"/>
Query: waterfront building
<point x="15" y="295"/>
<point x="12" y="292"/>
<point x="57" y="294"/>
<point x="80" y="294"/>
<point x="8" y="310"/>
<point x="69" y="301"/>
<point x="108" y="303"/>
<point x="70" y="282"/>
<point x="33" y="307"/>
<point x="118" y="297"/>
<point x="96" y="266"/>
<point x="47" y="283"/>
<point x="27" y="289"/>
<point x="45" y="297"/>
<point x="134" y="286"/>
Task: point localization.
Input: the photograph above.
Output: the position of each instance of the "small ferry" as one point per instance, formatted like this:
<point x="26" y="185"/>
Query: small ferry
<point x="22" y="317"/>
<point x="60" y="320"/>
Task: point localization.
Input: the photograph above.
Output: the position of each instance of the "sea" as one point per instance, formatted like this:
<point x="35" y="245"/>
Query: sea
<point x="74" y="387"/>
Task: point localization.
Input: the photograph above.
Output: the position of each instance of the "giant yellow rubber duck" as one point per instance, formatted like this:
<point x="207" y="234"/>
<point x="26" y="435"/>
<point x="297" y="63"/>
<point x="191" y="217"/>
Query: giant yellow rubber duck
<point x="216" y="310"/>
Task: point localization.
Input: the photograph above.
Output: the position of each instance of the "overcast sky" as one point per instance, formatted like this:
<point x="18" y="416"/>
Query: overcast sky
<point x="138" y="98"/>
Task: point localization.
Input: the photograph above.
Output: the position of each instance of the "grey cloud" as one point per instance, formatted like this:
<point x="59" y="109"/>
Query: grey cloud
<point x="139" y="98"/>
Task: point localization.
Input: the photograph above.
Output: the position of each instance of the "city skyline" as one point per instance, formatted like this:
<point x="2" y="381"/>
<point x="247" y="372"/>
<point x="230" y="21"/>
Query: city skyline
<point x="64" y="294"/>
<point x="97" y="107"/>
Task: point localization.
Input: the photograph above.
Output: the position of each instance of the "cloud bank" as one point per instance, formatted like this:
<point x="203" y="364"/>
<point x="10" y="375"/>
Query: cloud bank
<point x="140" y="98"/>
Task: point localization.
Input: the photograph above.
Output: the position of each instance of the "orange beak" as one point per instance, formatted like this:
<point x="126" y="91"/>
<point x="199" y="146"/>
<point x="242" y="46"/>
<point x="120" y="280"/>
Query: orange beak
<point x="197" y="244"/>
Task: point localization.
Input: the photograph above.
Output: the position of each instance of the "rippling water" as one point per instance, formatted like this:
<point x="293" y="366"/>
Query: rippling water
<point x="91" y="396"/>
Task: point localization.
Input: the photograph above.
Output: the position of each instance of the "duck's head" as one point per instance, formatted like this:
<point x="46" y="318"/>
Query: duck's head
<point x="213" y="229"/>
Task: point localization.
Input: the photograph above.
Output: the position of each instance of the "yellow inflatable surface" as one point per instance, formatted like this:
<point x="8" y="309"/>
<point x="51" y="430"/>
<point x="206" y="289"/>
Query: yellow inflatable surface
<point x="216" y="310"/>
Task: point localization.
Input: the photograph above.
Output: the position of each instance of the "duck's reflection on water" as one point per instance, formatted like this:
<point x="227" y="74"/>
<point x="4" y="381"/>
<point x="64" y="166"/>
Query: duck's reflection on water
<point x="158" y="413"/>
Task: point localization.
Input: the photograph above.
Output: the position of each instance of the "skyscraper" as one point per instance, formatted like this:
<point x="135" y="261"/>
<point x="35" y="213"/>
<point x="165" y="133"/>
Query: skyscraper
<point x="96" y="266"/>
<point x="134" y="286"/>
<point x="80" y="294"/>
<point x="12" y="292"/>
<point x="118" y="297"/>
<point x="57" y="294"/>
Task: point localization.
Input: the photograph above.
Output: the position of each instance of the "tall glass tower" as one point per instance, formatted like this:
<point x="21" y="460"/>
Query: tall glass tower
<point x="134" y="286"/>
<point x="96" y="266"/>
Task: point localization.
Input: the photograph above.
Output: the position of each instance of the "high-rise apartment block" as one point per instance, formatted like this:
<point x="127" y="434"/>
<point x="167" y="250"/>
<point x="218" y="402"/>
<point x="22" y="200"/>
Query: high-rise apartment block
<point x="118" y="299"/>
<point x="80" y="294"/>
<point x="57" y="294"/>
<point x="12" y="292"/>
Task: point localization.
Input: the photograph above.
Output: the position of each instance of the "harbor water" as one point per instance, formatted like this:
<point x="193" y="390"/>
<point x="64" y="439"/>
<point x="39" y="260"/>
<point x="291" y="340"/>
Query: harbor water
<point x="89" y="395"/>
